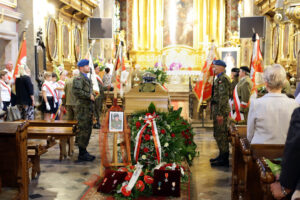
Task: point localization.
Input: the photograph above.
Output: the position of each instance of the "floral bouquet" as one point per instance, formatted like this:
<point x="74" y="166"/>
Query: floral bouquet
<point x="161" y="75"/>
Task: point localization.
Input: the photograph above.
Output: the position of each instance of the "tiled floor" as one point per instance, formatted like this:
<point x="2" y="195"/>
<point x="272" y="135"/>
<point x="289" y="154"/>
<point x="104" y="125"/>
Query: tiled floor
<point x="64" y="180"/>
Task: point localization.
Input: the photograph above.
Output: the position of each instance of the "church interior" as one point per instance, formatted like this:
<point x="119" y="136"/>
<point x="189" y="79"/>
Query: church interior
<point x="149" y="99"/>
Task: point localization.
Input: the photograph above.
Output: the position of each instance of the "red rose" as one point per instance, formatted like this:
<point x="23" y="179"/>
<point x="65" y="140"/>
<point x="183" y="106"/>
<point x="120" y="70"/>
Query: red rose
<point x="148" y="179"/>
<point x="128" y="177"/>
<point x="123" y="169"/>
<point x="187" y="130"/>
<point x="140" y="185"/>
<point x="142" y="173"/>
<point x="138" y="124"/>
<point x="173" y="135"/>
<point x="183" y="123"/>
<point x="182" y="133"/>
<point x="146" y="150"/>
<point x="166" y="154"/>
<point x="147" y="137"/>
<point x="163" y="131"/>
<point x="125" y="192"/>
<point x="190" y="142"/>
<point x="132" y="167"/>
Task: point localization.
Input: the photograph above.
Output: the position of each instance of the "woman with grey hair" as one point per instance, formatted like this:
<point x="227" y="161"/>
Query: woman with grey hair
<point x="269" y="116"/>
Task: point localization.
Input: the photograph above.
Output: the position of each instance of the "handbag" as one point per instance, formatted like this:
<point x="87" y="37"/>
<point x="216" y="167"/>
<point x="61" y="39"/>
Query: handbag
<point x="13" y="113"/>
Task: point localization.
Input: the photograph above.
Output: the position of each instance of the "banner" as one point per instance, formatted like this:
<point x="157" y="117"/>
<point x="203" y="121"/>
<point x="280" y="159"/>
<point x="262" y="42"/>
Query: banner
<point x="256" y="66"/>
<point x="203" y="88"/>
<point x="22" y="58"/>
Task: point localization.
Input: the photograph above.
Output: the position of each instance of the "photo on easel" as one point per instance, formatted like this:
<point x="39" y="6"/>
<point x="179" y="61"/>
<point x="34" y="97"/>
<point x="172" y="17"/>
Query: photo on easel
<point x="116" y="121"/>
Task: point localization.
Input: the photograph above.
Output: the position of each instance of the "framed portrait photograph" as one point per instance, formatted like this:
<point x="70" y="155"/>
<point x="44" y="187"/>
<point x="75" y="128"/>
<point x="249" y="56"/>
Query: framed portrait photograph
<point x="116" y="120"/>
<point x="231" y="56"/>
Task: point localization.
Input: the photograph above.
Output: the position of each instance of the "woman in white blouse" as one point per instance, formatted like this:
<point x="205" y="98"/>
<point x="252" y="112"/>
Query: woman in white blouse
<point x="269" y="116"/>
<point x="5" y="90"/>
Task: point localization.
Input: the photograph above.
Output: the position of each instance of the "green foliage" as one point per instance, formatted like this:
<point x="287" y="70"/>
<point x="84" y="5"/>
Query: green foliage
<point x="151" y="108"/>
<point x="161" y="76"/>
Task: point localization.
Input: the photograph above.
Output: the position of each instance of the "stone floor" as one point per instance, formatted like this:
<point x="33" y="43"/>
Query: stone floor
<point x="63" y="180"/>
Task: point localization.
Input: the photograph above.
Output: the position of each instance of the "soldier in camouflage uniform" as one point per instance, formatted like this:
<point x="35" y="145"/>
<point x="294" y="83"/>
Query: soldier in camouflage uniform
<point x="220" y="111"/>
<point x="234" y="79"/>
<point x="82" y="88"/>
<point x="244" y="88"/>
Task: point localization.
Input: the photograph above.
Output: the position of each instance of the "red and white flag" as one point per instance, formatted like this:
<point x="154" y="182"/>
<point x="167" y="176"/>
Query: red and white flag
<point x="203" y="88"/>
<point x="256" y="66"/>
<point x="120" y="65"/>
<point x="22" y="58"/>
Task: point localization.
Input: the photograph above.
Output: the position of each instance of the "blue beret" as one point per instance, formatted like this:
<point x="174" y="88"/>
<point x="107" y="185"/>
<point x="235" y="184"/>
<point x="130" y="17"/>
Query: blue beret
<point x="83" y="63"/>
<point x="219" y="62"/>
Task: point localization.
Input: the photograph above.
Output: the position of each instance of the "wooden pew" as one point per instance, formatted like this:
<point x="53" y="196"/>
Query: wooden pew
<point x="34" y="152"/>
<point x="13" y="157"/>
<point x="249" y="179"/>
<point x="236" y="132"/>
<point x="63" y="139"/>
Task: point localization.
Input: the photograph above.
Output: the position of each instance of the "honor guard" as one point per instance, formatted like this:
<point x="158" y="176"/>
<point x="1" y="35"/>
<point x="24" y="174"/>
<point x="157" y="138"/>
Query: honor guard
<point x="234" y="79"/>
<point x="243" y="89"/>
<point x="83" y="91"/>
<point x="99" y="98"/>
<point x="220" y="112"/>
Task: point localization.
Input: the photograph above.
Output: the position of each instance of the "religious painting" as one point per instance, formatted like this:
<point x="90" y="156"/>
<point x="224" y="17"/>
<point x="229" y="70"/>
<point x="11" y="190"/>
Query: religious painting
<point x="178" y="22"/>
<point x="66" y="41"/>
<point x="231" y="57"/>
<point x="77" y="43"/>
<point x="285" y="46"/>
<point x="275" y="44"/>
<point x="52" y="41"/>
<point x="116" y="121"/>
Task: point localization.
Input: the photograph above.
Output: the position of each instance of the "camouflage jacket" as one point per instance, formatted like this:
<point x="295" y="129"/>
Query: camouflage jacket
<point x="82" y="88"/>
<point x="244" y="88"/>
<point x="221" y="93"/>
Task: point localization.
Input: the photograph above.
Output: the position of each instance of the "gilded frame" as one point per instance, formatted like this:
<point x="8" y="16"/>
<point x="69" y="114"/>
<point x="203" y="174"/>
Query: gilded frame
<point x="66" y="43"/>
<point x="296" y="44"/>
<point x="285" y="41"/>
<point x="52" y="54"/>
<point x="275" y="43"/>
<point x="77" y="32"/>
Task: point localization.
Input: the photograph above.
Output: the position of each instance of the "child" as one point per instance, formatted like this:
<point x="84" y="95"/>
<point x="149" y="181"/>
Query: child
<point x="5" y="90"/>
<point x="49" y="97"/>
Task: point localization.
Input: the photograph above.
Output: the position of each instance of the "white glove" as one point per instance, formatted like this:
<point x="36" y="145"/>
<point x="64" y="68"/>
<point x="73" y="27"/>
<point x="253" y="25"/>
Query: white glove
<point x="54" y="105"/>
<point x="48" y="106"/>
<point x="2" y="106"/>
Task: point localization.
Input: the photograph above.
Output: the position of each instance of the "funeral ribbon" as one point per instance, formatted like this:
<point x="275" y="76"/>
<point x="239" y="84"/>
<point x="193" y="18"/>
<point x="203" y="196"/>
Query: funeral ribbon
<point x="134" y="177"/>
<point x="238" y="116"/>
<point x="149" y="121"/>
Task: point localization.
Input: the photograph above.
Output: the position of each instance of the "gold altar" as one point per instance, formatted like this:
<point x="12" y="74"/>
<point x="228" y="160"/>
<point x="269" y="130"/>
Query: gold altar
<point x="175" y="31"/>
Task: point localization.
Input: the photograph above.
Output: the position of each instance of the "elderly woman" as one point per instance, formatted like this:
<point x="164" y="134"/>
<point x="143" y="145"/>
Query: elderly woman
<point x="269" y="116"/>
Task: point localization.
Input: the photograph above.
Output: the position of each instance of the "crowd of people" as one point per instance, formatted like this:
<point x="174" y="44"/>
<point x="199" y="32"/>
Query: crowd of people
<point x="272" y="118"/>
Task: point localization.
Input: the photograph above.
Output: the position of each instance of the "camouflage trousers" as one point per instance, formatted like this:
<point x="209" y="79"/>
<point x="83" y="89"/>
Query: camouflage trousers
<point x="85" y="122"/>
<point x="98" y="107"/>
<point x="221" y="134"/>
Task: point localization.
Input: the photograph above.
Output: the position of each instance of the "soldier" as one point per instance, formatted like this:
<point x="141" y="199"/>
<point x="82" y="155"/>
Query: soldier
<point x="99" y="98"/>
<point x="244" y="88"/>
<point x="220" y="111"/>
<point x="82" y="88"/>
<point x="116" y="122"/>
<point x="234" y="79"/>
<point x="70" y="99"/>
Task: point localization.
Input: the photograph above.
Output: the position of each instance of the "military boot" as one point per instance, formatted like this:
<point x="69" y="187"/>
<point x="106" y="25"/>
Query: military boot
<point x="84" y="156"/>
<point x="215" y="159"/>
<point x="222" y="162"/>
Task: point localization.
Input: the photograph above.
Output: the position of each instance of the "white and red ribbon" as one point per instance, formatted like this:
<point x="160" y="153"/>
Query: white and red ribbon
<point x="237" y="104"/>
<point x="6" y="86"/>
<point x="149" y="121"/>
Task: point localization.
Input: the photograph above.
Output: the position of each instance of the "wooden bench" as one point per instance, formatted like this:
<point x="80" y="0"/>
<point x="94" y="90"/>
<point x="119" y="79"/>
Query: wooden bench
<point x="14" y="163"/>
<point x="249" y="173"/>
<point x="58" y="132"/>
<point x="236" y="132"/>
<point x="34" y="152"/>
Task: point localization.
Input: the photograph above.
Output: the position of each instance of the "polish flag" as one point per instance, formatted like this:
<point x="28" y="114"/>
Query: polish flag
<point x="203" y="88"/>
<point x="22" y="58"/>
<point x="256" y="66"/>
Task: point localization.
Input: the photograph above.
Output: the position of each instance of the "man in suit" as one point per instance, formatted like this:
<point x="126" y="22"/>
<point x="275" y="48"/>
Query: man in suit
<point x="220" y="108"/>
<point x="83" y="91"/>
<point x="290" y="174"/>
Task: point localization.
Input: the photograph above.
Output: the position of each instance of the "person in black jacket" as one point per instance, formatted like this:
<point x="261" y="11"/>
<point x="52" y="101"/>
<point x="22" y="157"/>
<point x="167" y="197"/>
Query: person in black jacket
<point x="25" y="93"/>
<point x="289" y="180"/>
